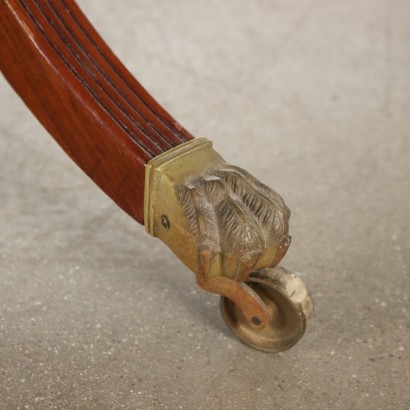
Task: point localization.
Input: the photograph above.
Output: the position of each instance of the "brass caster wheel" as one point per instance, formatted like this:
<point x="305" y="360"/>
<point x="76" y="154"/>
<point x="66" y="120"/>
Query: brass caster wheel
<point x="288" y="304"/>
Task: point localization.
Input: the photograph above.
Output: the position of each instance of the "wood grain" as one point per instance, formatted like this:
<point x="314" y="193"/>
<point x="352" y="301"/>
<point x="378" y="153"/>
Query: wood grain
<point x="82" y="94"/>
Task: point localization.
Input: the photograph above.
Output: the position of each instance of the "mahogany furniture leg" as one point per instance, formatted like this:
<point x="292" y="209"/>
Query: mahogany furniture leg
<point x="226" y="226"/>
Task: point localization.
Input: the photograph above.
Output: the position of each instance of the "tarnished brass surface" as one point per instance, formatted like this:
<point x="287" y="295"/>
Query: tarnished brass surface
<point x="219" y="220"/>
<point x="289" y="308"/>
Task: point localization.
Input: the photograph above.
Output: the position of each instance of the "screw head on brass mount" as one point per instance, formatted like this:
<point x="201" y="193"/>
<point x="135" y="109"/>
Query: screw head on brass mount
<point x="231" y="231"/>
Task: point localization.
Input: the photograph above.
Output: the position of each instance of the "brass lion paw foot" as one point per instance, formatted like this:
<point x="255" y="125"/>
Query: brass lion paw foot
<point x="232" y="231"/>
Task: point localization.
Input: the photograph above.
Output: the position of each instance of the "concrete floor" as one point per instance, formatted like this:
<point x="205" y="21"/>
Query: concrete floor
<point x="313" y="98"/>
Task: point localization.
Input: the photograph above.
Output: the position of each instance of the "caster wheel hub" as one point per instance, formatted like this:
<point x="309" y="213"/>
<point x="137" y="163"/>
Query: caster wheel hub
<point x="288" y="304"/>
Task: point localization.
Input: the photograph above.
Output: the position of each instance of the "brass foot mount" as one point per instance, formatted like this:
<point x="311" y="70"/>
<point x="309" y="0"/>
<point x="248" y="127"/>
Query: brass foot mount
<point x="232" y="231"/>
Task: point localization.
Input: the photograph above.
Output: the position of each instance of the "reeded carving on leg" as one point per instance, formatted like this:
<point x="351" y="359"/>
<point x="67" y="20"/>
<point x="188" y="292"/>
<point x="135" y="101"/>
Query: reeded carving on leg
<point x="239" y="222"/>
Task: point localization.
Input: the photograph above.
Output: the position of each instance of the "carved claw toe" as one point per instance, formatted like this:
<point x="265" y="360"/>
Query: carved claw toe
<point x="228" y="211"/>
<point x="217" y="208"/>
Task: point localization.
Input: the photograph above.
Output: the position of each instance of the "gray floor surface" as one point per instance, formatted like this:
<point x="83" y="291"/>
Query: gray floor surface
<point x="313" y="98"/>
